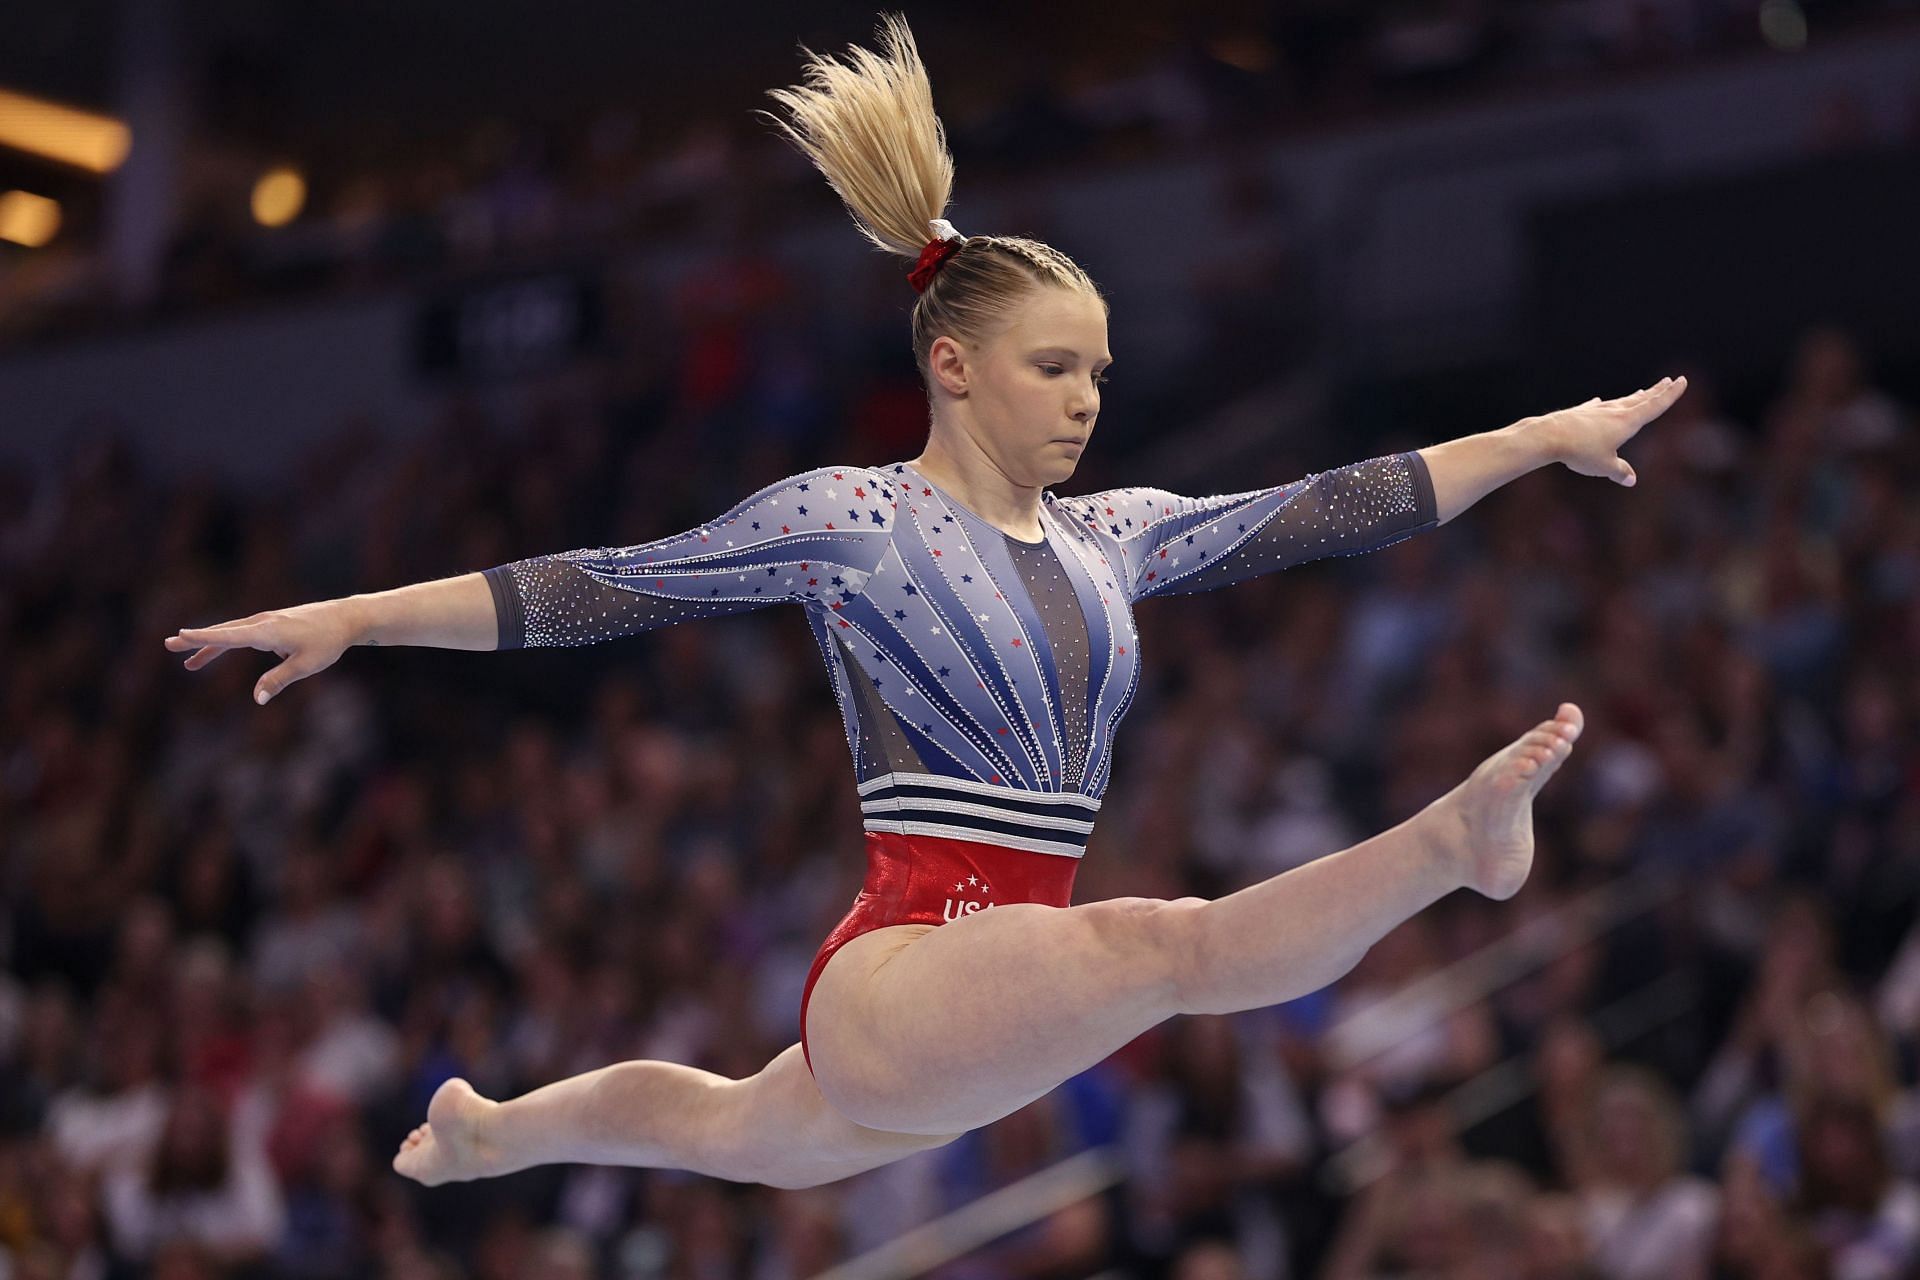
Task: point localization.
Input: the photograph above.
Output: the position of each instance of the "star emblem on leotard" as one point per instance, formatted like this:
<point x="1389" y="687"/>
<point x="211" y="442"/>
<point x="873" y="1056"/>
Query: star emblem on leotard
<point x="965" y="730"/>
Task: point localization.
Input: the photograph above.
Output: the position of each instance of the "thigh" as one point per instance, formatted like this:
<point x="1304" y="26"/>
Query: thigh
<point x="963" y="1023"/>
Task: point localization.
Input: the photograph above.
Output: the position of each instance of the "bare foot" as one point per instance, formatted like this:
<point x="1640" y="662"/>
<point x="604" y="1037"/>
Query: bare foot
<point x="450" y="1146"/>
<point x="1494" y="806"/>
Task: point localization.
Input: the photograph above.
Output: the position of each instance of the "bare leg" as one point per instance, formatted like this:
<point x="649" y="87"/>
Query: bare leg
<point x="1296" y="932"/>
<point x="773" y="1127"/>
<point x="974" y="1019"/>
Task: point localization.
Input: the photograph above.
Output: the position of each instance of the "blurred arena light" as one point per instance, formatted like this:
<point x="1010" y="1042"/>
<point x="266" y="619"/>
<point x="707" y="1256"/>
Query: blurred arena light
<point x="1783" y="25"/>
<point x="1244" y="53"/>
<point x="28" y="219"/>
<point x="96" y="143"/>
<point x="279" y="196"/>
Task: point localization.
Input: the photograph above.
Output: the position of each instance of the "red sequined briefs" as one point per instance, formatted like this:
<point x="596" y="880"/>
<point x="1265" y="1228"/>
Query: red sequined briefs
<point x="917" y="879"/>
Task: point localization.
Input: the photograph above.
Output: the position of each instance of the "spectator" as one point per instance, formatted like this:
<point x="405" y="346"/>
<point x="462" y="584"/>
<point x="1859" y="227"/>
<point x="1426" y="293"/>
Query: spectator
<point x="1866" y="1217"/>
<point x="1645" y="1216"/>
<point x="207" y="1184"/>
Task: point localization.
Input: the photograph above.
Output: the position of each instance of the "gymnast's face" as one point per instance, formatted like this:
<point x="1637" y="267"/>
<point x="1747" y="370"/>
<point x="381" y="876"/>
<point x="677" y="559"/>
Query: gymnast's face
<point x="1030" y="392"/>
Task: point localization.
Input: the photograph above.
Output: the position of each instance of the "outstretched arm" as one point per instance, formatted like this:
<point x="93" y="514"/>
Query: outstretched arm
<point x="814" y="537"/>
<point x="1586" y="438"/>
<point x="1468" y="469"/>
<point x="453" y="613"/>
<point x="1170" y="544"/>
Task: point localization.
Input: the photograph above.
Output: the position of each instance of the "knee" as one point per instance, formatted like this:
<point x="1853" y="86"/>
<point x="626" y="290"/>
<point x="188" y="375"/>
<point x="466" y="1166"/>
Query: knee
<point x="1166" y="931"/>
<point x="822" y="1166"/>
<point x="1184" y="936"/>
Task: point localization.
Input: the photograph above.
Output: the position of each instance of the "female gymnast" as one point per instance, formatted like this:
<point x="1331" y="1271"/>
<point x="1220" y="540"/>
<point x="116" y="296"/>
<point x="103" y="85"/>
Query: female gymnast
<point x="978" y="630"/>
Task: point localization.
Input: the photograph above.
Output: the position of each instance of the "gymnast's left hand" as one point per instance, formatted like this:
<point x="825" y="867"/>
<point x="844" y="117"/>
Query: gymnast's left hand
<point x="1587" y="437"/>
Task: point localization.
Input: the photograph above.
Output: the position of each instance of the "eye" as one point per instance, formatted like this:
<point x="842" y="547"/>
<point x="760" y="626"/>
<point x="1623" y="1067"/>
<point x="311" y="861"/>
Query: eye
<point x="1053" y="371"/>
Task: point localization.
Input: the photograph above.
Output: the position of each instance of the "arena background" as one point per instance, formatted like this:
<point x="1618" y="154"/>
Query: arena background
<point x="540" y="280"/>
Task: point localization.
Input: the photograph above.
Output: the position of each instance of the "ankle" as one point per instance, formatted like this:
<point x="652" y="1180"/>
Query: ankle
<point x="489" y="1139"/>
<point x="1442" y="831"/>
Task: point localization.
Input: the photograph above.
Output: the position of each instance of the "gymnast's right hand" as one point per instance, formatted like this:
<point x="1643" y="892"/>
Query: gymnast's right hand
<point x="311" y="637"/>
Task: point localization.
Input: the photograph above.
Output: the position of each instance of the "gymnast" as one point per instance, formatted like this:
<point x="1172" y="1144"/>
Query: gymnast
<point x="978" y="632"/>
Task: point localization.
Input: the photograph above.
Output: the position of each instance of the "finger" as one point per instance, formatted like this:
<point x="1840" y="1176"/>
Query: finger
<point x="228" y="625"/>
<point x="203" y="657"/>
<point x="230" y="635"/>
<point x="1672" y="391"/>
<point x="1623" y="473"/>
<point x="279" y="678"/>
<point x="1645" y="394"/>
<point x="200" y="656"/>
<point x="1659" y="398"/>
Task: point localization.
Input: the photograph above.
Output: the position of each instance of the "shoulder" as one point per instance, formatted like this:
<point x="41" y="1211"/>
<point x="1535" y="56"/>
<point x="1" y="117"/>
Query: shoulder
<point x="856" y="481"/>
<point x="842" y="478"/>
<point x="1081" y="511"/>
<point x="1096" y="504"/>
<point x="1125" y="511"/>
<point x="867" y="495"/>
<point x="838" y="497"/>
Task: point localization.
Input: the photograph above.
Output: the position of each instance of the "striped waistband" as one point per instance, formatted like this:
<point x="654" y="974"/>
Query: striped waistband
<point x="927" y="804"/>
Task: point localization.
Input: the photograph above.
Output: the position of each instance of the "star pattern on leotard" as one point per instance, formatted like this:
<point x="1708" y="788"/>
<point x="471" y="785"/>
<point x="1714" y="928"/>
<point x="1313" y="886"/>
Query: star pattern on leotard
<point x="998" y="661"/>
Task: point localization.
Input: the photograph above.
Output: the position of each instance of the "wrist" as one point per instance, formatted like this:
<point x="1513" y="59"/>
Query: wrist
<point x="358" y="612"/>
<point x="1541" y="438"/>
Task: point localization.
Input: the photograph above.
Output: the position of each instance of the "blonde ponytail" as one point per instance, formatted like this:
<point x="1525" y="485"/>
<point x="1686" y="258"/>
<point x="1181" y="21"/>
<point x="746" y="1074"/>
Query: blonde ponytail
<point x="868" y="124"/>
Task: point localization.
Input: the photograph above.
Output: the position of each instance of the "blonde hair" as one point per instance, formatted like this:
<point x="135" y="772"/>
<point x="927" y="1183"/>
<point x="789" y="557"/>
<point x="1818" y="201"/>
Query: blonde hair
<point x="868" y="124"/>
<point x="1824" y="1013"/>
<point x="1664" y="1110"/>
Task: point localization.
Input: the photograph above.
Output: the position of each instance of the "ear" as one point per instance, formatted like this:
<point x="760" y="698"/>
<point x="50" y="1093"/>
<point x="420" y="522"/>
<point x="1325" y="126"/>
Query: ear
<point x="947" y="361"/>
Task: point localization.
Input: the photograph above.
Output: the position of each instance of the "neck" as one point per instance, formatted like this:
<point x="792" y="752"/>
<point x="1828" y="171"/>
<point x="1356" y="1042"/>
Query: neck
<point x="958" y="465"/>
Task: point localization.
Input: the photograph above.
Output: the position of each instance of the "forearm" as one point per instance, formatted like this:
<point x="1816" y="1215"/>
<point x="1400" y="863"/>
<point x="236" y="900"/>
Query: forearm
<point x="451" y="613"/>
<point x="1468" y="469"/>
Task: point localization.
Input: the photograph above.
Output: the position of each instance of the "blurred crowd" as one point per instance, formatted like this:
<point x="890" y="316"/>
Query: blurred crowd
<point x="242" y="945"/>
<point x="404" y="204"/>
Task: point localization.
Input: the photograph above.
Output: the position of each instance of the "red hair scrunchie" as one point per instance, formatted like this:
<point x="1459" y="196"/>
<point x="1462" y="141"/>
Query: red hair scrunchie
<point x="935" y="254"/>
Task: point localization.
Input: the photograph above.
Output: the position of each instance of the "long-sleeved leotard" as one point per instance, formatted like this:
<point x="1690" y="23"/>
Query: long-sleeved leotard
<point x="980" y="678"/>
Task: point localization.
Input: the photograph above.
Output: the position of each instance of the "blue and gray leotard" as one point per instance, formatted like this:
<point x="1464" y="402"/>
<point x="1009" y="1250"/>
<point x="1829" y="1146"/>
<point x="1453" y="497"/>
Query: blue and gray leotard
<point x="980" y="678"/>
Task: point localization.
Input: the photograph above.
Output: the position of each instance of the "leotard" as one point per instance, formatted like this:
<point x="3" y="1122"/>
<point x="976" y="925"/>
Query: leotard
<point x="979" y="677"/>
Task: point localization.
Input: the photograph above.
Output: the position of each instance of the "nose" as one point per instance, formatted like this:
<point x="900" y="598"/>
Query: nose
<point x="1085" y="402"/>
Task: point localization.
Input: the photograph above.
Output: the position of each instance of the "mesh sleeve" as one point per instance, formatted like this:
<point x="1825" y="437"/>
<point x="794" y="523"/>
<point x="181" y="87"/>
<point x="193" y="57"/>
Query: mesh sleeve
<point x="814" y="537"/>
<point x="1173" y="545"/>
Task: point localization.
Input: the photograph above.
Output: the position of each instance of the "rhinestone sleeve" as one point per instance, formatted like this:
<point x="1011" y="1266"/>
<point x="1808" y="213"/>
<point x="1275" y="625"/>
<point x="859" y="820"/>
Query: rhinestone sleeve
<point x="1173" y="545"/>
<point x="814" y="537"/>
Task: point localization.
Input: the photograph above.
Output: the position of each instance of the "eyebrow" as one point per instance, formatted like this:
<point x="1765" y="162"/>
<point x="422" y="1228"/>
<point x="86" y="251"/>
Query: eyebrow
<point x="1068" y="352"/>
